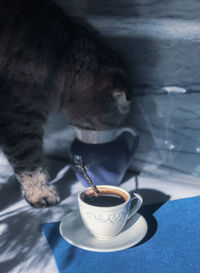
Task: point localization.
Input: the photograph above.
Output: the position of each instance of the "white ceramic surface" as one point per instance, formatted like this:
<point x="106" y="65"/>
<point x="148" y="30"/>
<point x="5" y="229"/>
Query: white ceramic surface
<point x="107" y="222"/>
<point x="74" y="231"/>
<point x="101" y="136"/>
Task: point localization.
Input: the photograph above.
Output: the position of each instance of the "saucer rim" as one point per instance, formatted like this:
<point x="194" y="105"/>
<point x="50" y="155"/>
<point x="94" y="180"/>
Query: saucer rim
<point x="96" y="249"/>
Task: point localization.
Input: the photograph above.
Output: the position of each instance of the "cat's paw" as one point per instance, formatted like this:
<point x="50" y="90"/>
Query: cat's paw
<point x="36" y="190"/>
<point x="41" y="197"/>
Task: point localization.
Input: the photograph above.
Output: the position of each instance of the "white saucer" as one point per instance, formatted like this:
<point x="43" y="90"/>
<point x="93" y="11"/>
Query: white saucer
<point x="73" y="231"/>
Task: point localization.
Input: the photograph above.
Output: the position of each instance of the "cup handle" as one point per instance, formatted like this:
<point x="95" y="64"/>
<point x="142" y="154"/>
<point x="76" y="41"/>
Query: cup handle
<point x="137" y="205"/>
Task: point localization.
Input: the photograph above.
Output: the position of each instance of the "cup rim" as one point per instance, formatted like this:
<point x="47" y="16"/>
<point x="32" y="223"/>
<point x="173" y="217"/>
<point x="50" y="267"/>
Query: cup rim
<point x="105" y="208"/>
<point x="108" y="130"/>
<point x="90" y="136"/>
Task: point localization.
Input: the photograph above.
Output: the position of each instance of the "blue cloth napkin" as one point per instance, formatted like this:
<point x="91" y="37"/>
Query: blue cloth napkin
<point x="171" y="245"/>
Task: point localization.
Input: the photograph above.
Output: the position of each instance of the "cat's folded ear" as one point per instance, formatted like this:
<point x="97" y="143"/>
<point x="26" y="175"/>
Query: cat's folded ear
<point x="122" y="102"/>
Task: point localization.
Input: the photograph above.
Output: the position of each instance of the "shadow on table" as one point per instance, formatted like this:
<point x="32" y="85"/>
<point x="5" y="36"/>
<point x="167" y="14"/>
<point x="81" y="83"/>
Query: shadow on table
<point x="153" y="200"/>
<point x="10" y="192"/>
<point x="20" y="222"/>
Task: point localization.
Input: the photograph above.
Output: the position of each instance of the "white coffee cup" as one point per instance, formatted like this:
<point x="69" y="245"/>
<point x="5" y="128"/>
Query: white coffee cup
<point x="107" y="222"/>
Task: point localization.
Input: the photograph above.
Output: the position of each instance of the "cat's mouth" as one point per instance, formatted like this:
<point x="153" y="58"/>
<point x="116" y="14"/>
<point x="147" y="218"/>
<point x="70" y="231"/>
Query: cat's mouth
<point x="102" y="121"/>
<point x="87" y="126"/>
<point x="98" y="124"/>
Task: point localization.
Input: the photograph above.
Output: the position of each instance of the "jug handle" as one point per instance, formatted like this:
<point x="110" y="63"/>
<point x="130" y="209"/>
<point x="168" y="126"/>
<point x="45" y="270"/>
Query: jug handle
<point x="134" y="133"/>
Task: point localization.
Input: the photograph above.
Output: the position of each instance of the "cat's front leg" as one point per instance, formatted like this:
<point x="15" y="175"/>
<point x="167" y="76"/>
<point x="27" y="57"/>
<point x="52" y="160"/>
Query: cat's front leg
<point x="21" y="137"/>
<point x="36" y="190"/>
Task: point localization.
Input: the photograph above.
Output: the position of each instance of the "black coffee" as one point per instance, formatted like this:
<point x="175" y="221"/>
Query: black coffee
<point x="104" y="200"/>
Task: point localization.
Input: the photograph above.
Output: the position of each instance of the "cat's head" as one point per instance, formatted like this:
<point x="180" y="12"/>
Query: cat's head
<point x="100" y="104"/>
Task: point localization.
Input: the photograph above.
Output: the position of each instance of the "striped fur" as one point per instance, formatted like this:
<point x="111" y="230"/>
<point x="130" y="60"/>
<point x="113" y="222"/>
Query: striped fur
<point x="49" y="63"/>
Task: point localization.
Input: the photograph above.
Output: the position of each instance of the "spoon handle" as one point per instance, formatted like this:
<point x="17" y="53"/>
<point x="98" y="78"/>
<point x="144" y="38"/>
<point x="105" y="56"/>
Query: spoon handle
<point x="79" y="164"/>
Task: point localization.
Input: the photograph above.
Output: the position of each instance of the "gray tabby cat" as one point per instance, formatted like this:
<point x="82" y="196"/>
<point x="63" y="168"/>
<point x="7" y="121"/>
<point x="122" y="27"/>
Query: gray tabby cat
<point x="50" y="63"/>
